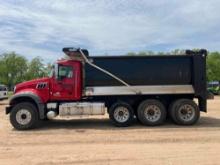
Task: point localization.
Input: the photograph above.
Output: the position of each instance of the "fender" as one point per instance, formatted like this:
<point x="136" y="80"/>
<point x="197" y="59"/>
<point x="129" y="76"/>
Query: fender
<point x="31" y="96"/>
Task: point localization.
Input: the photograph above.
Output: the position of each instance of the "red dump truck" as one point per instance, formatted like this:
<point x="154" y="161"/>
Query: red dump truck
<point x="148" y="88"/>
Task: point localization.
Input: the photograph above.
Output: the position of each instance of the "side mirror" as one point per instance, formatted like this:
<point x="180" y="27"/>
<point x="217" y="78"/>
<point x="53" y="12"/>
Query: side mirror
<point x="56" y="69"/>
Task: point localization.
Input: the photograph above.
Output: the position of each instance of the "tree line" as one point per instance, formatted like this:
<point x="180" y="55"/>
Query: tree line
<point x="15" y="68"/>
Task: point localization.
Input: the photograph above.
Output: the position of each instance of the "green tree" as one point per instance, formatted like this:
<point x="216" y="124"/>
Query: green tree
<point x="177" y="52"/>
<point x="213" y="66"/>
<point x="36" y="69"/>
<point x="141" y="53"/>
<point x="146" y="53"/>
<point x="13" y="69"/>
<point x="131" y="54"/>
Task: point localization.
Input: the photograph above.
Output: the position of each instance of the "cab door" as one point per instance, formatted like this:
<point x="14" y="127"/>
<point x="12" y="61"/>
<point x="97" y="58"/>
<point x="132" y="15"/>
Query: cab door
<point x="66" y="84"/>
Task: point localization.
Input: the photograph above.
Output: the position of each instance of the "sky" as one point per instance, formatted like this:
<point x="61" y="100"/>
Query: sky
<point x="107" y="27"/>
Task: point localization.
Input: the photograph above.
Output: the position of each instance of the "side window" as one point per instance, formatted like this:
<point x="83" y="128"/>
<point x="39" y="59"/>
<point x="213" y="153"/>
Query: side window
<point x="65" y="72"/>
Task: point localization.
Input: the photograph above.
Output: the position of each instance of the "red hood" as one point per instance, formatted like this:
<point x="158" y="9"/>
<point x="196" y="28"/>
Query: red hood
<point x="31" y="84"/>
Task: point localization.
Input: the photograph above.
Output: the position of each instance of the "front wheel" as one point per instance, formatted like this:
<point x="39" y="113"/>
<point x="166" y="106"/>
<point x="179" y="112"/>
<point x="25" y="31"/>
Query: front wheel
<point x="121" y="114"/>
<point x="24" y="116"/>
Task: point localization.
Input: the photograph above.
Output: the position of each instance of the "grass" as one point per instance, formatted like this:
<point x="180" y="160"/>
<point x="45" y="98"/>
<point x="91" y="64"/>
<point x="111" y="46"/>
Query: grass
<point x="10" y="93"/>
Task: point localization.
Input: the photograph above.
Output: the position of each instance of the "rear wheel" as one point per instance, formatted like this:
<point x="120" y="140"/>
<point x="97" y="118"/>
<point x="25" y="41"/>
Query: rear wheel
<point x="151" y="112"/>
<point x="24" y="116"/>
<point x="184" y="112"/>
<point x="121" y="114"/>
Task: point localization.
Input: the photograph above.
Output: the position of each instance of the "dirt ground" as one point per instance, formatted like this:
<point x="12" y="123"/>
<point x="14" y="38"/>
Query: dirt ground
<point x="96" y="141"/>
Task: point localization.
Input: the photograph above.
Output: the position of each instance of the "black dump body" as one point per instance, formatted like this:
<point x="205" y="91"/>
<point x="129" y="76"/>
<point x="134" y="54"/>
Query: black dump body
<point x="189" y="69"/>
<point x="141" y="70"/>
<point x="149" y="70"/>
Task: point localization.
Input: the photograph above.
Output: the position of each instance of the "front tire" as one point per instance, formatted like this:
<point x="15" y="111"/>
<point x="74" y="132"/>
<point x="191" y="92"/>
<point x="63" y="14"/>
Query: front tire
<point x="24" y="116"/>
<point x="121" y="114"/>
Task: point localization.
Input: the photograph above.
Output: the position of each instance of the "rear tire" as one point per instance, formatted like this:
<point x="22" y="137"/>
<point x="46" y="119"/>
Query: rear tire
<point x="121" y="114"/>
<point x="184" y="112"/>
<point x="24" y="116"/>
<point x="151" y="112"/>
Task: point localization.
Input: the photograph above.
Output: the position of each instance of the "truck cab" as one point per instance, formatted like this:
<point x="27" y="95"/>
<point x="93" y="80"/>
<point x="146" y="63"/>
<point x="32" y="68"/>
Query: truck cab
<point x="63" y="84"/>
<point x="66" y="81"/>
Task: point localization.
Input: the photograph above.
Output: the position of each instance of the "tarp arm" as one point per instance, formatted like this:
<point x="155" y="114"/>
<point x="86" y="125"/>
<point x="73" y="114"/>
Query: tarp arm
<point x="107" y="72"/>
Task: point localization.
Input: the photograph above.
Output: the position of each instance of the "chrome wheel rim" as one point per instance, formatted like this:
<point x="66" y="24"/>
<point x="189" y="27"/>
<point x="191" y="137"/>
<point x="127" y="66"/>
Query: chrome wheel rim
<point x="121" y="114"/>
<point x="23" y="116"/>
<point x="186" y="112"/>
<point x="152" y="113"/>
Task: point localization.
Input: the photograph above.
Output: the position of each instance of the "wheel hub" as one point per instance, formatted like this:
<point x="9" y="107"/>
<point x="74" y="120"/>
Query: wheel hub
<point x="121" y="114"/>
<point x="186" y="112"/>
<point x="23" y="116"/>
<point x="152" y="113"/>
